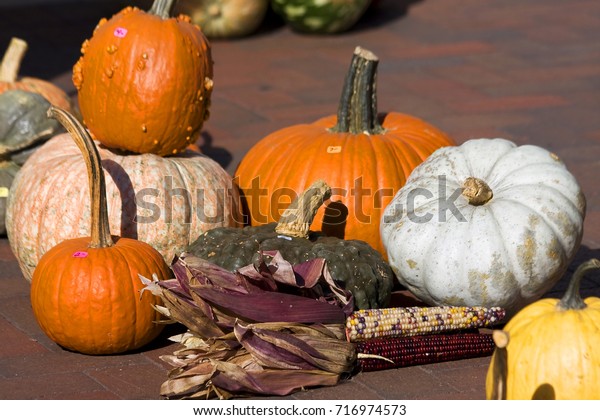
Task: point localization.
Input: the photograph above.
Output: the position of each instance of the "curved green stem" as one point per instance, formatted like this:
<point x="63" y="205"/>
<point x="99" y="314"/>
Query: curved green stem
<point x="357" y="111"/>
<point x="100" y="231"/>
<point x="572" y="299"/>
<point x="162" y="8"/>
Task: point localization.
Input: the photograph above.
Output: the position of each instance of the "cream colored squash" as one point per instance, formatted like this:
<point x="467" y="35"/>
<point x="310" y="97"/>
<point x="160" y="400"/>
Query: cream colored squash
<point x="484" y="223"/>
<point x="226" y="18"/>
<point x="166" y="202"/>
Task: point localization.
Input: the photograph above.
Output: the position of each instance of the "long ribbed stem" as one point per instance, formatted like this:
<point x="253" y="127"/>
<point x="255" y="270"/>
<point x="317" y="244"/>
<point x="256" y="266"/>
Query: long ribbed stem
<point x="11" y="62"/>
<point x="162" y="8"/>
<point x="100" y="231"/>
<point x="357" y="111"/>
<point x="297" y="218"/>
<point x="572" y="299"/>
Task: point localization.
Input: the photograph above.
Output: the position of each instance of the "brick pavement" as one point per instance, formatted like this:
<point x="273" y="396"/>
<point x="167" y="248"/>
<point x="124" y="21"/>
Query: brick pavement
<point x="524" y="70"/>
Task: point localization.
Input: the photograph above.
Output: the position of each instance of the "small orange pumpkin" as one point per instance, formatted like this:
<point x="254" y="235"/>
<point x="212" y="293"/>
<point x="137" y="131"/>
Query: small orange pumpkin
<point x="150" y="72"/>
<point x="86" y="292"/>
<point x="364" y="159"/>
<point x="10" y="80"/>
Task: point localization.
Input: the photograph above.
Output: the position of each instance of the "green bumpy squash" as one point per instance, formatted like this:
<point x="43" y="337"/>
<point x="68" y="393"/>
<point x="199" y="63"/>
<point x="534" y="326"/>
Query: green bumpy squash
<point x="23" y="122"/>
<point x="354" y="264"/>
<point x="320" y="16"/>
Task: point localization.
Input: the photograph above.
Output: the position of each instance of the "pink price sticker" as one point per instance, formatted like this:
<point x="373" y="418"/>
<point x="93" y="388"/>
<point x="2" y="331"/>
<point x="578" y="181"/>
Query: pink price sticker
<point x="120" y="32"/>
<point x="80" y="254"/>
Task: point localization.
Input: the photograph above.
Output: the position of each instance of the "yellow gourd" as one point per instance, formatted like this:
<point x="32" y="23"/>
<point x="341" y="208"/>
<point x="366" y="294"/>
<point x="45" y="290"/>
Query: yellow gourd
<point x="549" y="350"/>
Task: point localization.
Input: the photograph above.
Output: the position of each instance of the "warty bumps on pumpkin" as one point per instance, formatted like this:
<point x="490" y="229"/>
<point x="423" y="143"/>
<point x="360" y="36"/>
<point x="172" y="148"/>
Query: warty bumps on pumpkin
<point x="144" y="80"/>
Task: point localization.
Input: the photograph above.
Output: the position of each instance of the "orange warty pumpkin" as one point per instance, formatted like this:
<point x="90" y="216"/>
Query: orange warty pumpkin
<point x="86" y="292"/>
<point x="363" y="157"/>
<point x="10" y="79"/>
<point x="150" y="72"/>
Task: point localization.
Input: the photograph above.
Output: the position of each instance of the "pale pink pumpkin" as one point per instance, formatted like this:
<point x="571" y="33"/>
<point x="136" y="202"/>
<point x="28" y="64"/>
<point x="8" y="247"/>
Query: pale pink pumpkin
<point x="50" y="199"/>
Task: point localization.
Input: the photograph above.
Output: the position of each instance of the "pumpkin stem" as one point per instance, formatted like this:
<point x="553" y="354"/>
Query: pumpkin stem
<point x="357" y="111"/>
<point x="162" y="8"/>
<point x="572" y="299"/>
<point x="500" y="370"/>
<point x="477" y="191"/>
<point x="297" y="218"/>
<point x="11" y="62"/>
<point x="100" y="231"/>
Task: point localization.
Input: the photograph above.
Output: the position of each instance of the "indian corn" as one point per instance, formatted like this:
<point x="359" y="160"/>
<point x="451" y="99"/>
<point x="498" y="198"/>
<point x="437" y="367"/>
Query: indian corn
<point x="401" y="322"/>
<point x="388" y="353"/>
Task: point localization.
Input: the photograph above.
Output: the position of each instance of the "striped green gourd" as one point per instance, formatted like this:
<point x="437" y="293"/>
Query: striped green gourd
<point x="320" y="16"/>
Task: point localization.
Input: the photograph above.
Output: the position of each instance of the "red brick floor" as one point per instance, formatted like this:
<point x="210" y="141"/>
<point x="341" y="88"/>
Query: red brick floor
<point x="526" y="70"/>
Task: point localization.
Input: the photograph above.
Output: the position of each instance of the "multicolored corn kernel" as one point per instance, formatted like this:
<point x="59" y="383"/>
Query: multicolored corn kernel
<point x="401" y="322"/>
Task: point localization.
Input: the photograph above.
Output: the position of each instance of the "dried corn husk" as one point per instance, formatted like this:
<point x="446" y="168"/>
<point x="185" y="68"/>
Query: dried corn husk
<point x="246" y="337"/>
<point x="260" y="359"/>
<point x="209" y="299"/>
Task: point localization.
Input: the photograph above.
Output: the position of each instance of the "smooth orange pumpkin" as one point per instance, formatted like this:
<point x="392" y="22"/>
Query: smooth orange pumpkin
<point x="86" y="292"/>
<point x="365" y="159"/>
<point x="144" y="80"/>
<point x="10" y="79"/>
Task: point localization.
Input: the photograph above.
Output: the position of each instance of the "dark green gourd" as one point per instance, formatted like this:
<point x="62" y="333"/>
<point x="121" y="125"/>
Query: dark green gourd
<point x="23" y="123"/>
<point x="354" y="264"/>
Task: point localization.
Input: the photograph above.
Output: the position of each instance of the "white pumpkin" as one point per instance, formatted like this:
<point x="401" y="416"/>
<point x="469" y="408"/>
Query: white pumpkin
<point x="484" y="223"/>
